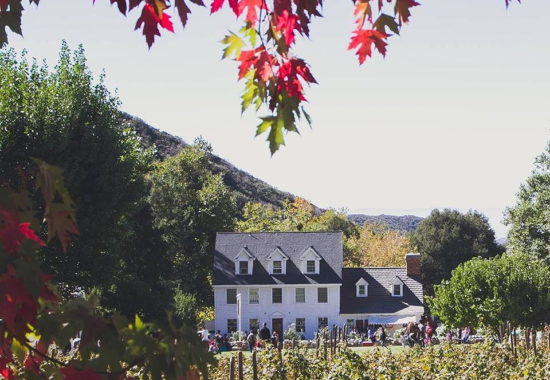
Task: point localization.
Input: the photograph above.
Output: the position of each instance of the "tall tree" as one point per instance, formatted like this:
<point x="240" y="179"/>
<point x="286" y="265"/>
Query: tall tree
<point x="490" y="292"/>
<point x="379" y="246"/>
<point x="66" y="118"/>
<point x="448" y="238"/>
<point x="189" y="205"/>
<point x="529" y="218"/>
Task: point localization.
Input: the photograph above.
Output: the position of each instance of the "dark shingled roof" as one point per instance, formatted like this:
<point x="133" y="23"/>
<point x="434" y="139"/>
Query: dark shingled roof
<point x="380" y="299"/>
<point x="293" y="244"/>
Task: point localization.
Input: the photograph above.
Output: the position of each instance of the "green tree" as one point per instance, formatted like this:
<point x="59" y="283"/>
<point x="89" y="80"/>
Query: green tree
<point x="528" y="218"/>
<point x="66" y="118"/>
<point x="189" y="205"/>
<point x="448" y="238"/>
<point x="491" y="292"/>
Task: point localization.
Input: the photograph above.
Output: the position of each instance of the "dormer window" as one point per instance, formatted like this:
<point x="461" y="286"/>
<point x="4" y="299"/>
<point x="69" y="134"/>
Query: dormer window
<point x="397" y="287"/>
<point x="243" y="267"/>
<point x="276" y="262"/>
<point x="277" y="267"/>
<point x="310" y="261"/>
<point x="361" y="288"/>
<point x="243" y="262"/>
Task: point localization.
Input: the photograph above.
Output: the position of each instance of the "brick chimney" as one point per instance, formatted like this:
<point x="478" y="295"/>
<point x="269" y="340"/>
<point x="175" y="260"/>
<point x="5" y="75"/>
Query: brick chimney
<point x="413" y="264"/>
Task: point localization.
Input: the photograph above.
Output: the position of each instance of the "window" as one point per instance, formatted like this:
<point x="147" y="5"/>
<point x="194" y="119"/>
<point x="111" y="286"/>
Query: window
<point x="310" y="266"/>
<point x="254" y="324"/>
<point x="322" y="295"/>
<point x="361" y="288"/>
<point x="350" y="323"/>
<point x="253" y="296"/>
<point x="277" y="267"/>
<point x="300" y="295"/>
<point x="231" y="296"/>
<point x="397" y="290"/>
<point x="277" y="295"/>
<point x="231" y="325"/>
<point x="323" y="322"/>
<point x="301" y="325"/>
<point x="243" y="267"/>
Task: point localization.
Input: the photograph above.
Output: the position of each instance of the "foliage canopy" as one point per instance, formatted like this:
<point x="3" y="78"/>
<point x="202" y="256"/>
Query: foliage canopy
<point x="448" y="238"/>
<point x="528" y="218"/>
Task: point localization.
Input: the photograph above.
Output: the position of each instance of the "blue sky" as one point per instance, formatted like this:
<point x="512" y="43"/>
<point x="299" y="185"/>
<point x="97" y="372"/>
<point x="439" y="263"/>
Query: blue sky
<point x="452" y="117"/>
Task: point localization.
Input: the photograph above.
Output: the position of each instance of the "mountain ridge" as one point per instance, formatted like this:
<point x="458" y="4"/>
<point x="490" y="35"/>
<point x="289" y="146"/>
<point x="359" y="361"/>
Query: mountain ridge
<point x="247" y="187"/>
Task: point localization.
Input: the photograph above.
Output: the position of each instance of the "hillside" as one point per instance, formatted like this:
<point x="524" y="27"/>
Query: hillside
<point x="247" y="187"/>
<point x="407" y="223"/>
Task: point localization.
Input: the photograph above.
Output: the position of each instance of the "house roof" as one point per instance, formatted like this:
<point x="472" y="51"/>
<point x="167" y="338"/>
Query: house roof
<point x="328" y="245"/>
<point x="380" y="299"/>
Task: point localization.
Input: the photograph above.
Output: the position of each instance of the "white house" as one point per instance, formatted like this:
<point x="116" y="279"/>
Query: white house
<point x="282" y="278"/>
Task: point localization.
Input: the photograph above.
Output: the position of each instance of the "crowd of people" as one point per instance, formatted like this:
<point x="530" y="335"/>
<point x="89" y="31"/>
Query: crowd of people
<point x="255" y="339"/>
<point x="415" y="333"/>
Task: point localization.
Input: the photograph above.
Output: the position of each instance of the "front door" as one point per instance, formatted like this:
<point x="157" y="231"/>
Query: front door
<point x="277" y="325"/>
<point x="359" y="325"/>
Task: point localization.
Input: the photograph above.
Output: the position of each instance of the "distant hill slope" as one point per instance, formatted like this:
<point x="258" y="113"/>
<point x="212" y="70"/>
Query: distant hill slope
<point x="407" y="223"/>
<point x="247" y="187"/>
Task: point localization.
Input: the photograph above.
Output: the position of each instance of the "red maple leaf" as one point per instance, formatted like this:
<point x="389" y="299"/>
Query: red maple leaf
<point x="264" y="66"/>
<point x="247" y="59"/>
<point x="287" y="78"/>
<point x="288" y="24"/>
<point x="183" y="11"/>
<point x="258" y="59"/>
<point x="12" y="232"/>
<point x="402" y="9"/>
<point x="7" y="374"/>
<point x="151" y="18"/>
<point x="363" y="41"/>
<point x="134" y="3"/>
<point x="217" y="4"/>
<point x="70" y="373"/>
<point x="17" y="307"/>
<point x="252" y="7"/>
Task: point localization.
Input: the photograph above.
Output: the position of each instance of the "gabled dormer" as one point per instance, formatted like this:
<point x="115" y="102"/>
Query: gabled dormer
<point x="310" y="261"/>
<point x="362" y="288"/>
<point x="397" y="287"/>
<point x="276" y="262"/>
<point x="243" y="262"/>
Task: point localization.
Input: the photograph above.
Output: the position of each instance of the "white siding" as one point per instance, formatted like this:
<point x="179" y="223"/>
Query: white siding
<point x="289" y="310"/>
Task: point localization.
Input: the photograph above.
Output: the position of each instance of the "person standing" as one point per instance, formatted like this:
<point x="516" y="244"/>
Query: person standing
<point x="251" y="340"/>
<point x="265" y="334"/>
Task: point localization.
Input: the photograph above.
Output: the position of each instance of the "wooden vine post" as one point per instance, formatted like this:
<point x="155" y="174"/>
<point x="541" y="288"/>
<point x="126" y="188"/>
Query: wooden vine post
<point x="232" y="368"/>
<point x="254" y="366"/>
<point x="240" y="366"/>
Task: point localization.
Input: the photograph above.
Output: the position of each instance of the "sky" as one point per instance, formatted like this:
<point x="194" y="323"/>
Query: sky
<point x="453" y="117"/>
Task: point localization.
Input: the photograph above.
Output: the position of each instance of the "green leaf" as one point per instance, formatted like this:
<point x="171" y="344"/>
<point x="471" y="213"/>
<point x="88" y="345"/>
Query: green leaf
<point x="384" y="21"/>
<point x="265" y="125"/>
<point x="276" y="137"/>
<point x="250" y="91"/>
<point x="138" y="323"/>
<point x="18" y="350"/>
<point x="234" y="45"/>
<point x="250" y="33"/>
